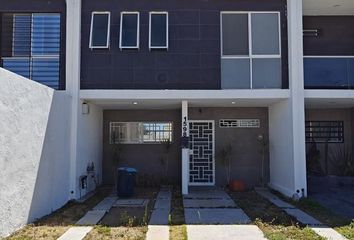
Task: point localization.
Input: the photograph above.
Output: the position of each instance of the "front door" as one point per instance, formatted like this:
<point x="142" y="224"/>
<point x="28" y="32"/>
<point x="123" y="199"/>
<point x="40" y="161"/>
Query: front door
<point x="201" y="159"/>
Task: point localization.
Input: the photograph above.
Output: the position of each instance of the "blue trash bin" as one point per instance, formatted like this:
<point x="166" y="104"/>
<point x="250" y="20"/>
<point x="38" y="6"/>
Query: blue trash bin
<point x="126" y="181"/>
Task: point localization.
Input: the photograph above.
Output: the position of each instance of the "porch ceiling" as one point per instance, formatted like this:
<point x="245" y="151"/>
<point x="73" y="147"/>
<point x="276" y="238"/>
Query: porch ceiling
<point x="329" y="98"/>
<point x="172" y="99"/>
<point x="328" y="7"/>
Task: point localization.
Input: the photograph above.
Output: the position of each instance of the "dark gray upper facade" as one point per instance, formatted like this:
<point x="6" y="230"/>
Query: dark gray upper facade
<point x="193" y="59"/>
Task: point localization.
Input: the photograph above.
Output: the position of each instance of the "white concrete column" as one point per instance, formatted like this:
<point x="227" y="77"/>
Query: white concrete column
<point x="73" y="50"/>
<point x="296" y="80"/>
<point x="287" y="118"/>
<point x="185" y="148"/>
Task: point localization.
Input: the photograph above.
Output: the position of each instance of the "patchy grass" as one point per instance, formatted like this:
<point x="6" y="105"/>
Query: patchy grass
<point x="39" y="233"/>
<point x="56" y="224"/>
<point x="132" y="216"/>
<point x="178" y="230"/>
<point x="117" y="233"/>
<point x="275" y="223"/>
<point x="343" y="225"/>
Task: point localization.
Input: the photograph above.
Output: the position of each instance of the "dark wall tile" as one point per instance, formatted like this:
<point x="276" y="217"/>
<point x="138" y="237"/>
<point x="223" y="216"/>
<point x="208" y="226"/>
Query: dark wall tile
<point x="193" y="58"/>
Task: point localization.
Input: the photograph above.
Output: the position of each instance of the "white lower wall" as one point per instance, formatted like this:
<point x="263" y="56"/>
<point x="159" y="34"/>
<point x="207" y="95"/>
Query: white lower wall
<point x="34" y="151"/>
<point x="287" y="155"/>
<point x="280" y="148"/>
<point x="89" y="146"/>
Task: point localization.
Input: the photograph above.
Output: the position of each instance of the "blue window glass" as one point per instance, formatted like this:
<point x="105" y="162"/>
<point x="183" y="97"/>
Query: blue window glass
<point x="35" y="47"/>
<point x="45" y="34"/>
<point x="21" y="35"/>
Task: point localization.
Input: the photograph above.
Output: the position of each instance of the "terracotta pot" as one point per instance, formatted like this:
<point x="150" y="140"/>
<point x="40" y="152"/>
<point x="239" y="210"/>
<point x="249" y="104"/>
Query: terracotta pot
<point x="237" y="186"/>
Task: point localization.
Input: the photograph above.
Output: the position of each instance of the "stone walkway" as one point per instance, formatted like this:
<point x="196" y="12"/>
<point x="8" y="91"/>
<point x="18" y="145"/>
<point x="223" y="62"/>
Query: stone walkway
<point x="91" y="218"/>
<point x="210" y="213"/>
<point x="304" y="218"/>
<point x="158" y="228"/>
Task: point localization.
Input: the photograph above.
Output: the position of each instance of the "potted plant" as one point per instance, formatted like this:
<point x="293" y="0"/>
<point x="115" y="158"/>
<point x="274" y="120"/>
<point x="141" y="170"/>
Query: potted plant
<point x="224" y="156"/>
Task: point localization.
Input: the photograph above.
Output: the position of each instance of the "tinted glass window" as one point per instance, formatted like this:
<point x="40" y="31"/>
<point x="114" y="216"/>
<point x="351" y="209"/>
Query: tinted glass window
<point x="99" y="30"/>
<point x="265" y="33"/>
<point x="235" y="34"/>
<point x="46" y="34"/>
<point x="129" y="34"/>
<point x="21" y="35"/>
<point x="158" y="30"/>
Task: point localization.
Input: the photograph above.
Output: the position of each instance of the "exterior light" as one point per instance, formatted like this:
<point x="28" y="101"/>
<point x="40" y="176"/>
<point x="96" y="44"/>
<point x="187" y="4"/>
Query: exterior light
<point x="85" y="108"/>
<point x="233" y="102"/>
<point x="135" y="103"/>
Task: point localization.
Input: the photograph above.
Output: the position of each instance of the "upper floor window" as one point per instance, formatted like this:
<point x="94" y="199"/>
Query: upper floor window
<point x="100" y="30"/>
<point x="158" y="30"/>
<point x="250" y="50"/>
<point x="129" y="30"/>
<point x="31" y="46"/>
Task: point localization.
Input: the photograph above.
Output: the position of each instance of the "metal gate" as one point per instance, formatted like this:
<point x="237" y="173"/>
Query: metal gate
<point x="202" y="157"/>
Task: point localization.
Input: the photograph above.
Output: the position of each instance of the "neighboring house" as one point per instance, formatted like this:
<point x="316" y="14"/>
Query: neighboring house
<point x="200" y="75"/>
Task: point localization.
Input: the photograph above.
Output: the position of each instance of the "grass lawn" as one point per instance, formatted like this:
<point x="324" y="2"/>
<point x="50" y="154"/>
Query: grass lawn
<point x="343" y="225"/>
<point x="275" y="224"/>
<point x="117" y="233"/>
<point x="178" y="230"/>
<point x="55" y="224"/>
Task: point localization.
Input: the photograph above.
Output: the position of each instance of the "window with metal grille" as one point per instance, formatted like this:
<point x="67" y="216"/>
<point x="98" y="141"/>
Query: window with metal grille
<point x="140" y="132"/>
<point x="30" y="46"/>
<point x="239" y="123"/>
<point x="325" y="131"/>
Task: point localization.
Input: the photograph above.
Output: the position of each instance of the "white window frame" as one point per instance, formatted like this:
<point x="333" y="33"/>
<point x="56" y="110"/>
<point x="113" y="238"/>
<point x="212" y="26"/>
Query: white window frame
<point x="137" y="29"/>
<point x="167" y="28"/>
<point x="108" y="30"/>
<point x="141" y="137"/>
<point x="250" y="55"/>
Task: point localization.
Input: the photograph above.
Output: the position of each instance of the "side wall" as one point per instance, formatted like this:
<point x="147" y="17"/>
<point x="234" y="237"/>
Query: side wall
<point x="89" y="147"/>
<point x="34" y="153"/>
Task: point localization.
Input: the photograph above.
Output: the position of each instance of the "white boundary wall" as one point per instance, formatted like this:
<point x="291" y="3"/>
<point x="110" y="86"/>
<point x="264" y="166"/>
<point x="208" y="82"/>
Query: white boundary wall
<point x="34" y="152"/>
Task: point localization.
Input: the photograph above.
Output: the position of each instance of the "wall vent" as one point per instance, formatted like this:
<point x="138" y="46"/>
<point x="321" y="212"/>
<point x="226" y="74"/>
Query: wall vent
<point x="239" y="123"/>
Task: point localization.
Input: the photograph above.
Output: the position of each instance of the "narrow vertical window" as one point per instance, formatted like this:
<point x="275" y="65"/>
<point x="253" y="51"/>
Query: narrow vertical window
<point x="129" y="30"/>
<point x="100" y="30"/>
<point x="158" y="30"/>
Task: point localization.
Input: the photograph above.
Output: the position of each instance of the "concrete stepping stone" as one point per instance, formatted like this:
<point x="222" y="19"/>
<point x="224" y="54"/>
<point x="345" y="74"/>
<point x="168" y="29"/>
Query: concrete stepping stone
<point x="164" y="195"/>
<point x="131" y="203"/>
<point x="224" y="232"/>
<point x="163" y="204"/>
<point x="207" y="194"/>
<point x="274" y="199"/>
<point x="105" y="204"/>
<point x="215" y="216"/>
<point x="328" y="233"/>
<point x="303" y="217"/>
<point x="91" y="217"/>
<point x="209" y="203"/>
<point x="75" y="233"/>
<point x="159" y="217"/>
<point x="157" y="232"/>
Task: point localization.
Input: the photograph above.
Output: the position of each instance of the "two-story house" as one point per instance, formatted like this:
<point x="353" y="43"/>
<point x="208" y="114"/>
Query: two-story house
<point x="176" y="84"/>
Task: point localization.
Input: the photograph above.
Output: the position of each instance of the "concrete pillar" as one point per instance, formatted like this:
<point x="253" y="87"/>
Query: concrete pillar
<point x="73" y="48"/>
<point x="185" y="148"/>
<point x="287" y="118"/>
<point x="296" y="80"/>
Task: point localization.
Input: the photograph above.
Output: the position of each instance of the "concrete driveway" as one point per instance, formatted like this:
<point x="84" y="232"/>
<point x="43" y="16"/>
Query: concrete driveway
<point x="334" y="193"/>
